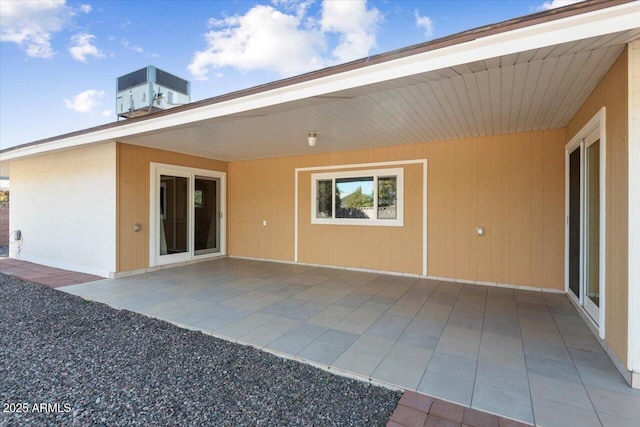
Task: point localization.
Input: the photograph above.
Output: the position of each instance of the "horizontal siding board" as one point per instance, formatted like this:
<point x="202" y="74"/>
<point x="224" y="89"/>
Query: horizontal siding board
<point x="540" y="94"/>
<point x="518" y="99"/>
<point x="429" y="112"/>
<point x="600" y="66"/>
<point x="587" y="63"/>
<point x="485" y="122"/>
<point x="553" y="91"/>
<point x="506" y="91"/>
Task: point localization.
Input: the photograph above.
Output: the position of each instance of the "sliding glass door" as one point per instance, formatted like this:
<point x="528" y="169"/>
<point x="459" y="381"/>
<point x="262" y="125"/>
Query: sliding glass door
<point x="187" y="207"/>
<point x="584" y="234"/>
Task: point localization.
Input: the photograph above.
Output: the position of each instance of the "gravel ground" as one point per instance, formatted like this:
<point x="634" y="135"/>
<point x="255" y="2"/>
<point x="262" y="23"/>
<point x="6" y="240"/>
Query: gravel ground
<point x="94" y="365"/>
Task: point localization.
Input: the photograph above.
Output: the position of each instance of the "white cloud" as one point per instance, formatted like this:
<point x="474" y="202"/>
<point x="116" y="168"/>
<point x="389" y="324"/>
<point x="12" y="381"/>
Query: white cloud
<point x="287" y="43"/>
<point x="263" y="38"/>
<point x="31" y="24"/>
<point x="129" y="46"/>
<point x="82" y="47"/>
<point x="424" y="22"/>
<point x="85" y="102"/>
<point x="106" y="113"/>
<point x="556" y="3"/>
<point x="355" y="24"/>
<point x="85" y="8"/>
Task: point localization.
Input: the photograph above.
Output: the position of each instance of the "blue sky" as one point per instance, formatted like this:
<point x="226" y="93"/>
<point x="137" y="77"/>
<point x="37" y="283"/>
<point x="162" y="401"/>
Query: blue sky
<point x="59" y="60"/>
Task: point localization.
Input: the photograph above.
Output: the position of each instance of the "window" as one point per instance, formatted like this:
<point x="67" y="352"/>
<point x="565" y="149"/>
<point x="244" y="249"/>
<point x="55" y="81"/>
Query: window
<point x="367" y="197"/>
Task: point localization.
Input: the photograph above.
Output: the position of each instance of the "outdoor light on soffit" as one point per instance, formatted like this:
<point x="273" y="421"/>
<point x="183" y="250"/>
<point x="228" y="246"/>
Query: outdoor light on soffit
<point x="312" y="138"/>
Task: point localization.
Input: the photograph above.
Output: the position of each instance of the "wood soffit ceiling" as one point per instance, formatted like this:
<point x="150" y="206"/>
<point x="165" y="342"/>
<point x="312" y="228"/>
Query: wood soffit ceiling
<point x="533" y="90"/>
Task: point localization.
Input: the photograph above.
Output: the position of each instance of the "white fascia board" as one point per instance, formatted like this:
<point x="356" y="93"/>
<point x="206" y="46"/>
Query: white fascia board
<point x="613" y="19"/>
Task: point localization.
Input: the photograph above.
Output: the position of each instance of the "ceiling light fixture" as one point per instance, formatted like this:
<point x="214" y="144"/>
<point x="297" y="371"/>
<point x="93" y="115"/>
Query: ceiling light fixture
<point x="312" y="138"/>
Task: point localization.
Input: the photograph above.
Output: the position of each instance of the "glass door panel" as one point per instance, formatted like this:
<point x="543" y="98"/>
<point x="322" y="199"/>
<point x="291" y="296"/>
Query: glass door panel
<point x="584" y="258"/>
<point x="174" y="215"/>
<point x="574" y="221"/>
<point x="592" y="229"/>
<point x="206" y="202"/>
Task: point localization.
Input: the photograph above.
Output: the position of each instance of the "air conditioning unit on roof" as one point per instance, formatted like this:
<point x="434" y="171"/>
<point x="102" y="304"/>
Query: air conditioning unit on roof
<point x="150" y="89"/>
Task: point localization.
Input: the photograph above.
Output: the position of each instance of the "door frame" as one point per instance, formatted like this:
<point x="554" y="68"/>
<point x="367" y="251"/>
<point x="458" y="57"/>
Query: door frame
<point x="577" y="142"/>
<point x="157" y="169"/>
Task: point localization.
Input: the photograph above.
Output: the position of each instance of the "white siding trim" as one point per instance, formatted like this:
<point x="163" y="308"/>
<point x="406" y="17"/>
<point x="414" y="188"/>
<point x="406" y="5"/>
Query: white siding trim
<point x="633" y="359"/>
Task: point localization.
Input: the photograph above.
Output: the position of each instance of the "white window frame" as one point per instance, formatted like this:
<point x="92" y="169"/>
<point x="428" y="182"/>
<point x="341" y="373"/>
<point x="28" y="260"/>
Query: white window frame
<point x="375" y="174"/>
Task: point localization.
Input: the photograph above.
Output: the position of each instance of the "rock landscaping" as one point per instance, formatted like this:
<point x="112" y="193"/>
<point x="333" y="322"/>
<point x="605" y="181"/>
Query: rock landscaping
<point x="68" y="361"/>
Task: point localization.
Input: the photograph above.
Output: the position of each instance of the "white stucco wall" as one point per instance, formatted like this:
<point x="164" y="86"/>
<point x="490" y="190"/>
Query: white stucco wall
<point x="65" y="205"/>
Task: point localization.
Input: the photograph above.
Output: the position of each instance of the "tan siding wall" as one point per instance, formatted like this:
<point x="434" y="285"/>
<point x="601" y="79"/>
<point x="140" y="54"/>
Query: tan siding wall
<point x="261" y="190"/>
<point x="343" y="245"/>
<point x="612" y="93"/>
<point x="511" y="184"/>
<point x="133" y="198"/>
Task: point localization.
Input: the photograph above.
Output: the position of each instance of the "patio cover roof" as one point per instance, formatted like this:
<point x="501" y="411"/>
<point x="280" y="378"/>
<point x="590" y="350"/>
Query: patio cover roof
<point x="529" y="73"/>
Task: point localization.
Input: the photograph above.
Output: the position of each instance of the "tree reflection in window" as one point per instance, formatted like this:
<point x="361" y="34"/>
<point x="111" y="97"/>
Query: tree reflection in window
<point x="356" y="197"/>
<point x="324" y="205"/>
<point x="387" y="197"/>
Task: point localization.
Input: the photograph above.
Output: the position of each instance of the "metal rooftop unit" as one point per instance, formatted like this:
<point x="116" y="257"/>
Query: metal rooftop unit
<point x="150" y="89"/>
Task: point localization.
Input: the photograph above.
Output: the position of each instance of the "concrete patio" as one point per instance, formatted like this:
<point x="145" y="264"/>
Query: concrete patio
<point x="525" y="355"/>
